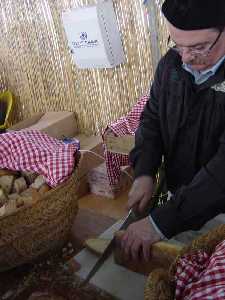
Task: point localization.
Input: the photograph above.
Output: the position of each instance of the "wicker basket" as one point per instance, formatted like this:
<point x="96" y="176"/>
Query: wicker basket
<point x="32" y="231"/>
<point x="160" y="284"/>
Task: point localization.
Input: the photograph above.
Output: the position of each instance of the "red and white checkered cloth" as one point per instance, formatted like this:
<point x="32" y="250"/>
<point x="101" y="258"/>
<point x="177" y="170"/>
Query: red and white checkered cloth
<point x="125" y="125"/>
<point x="36" y="151"/>
<point x="201" y="277"/>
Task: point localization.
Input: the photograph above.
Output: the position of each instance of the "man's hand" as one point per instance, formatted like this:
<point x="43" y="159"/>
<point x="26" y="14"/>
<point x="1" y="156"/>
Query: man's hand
<point x="138" y="238"/>
<point x="140" y="193"/>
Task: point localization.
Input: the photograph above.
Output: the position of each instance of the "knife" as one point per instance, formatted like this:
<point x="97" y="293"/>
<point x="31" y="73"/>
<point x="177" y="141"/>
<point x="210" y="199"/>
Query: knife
<point x="130" y="218"/>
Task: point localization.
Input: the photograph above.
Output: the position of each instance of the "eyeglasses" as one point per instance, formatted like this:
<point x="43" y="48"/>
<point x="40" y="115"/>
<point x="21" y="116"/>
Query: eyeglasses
<point x="195" y="51"/>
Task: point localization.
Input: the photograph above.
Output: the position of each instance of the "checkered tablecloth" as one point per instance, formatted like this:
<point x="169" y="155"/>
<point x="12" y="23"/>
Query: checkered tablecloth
<point x="123" y="126"/>
<point x="200" y="276"/>
<point x="37" y="152"/>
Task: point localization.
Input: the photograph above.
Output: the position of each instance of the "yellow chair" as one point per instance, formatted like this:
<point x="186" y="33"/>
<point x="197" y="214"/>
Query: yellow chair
<point x="6" y="103"/>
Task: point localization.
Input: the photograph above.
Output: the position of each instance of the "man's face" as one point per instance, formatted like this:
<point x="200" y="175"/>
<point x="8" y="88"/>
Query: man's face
<point x="194" y="46"/>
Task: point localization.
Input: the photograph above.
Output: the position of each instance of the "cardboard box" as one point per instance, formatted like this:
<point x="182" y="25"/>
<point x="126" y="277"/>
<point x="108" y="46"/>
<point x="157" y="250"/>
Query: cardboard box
<point x="99" y="183"/>
<point x="92" y="151"/>
<point x="120" y="144"/>
<point x="63" y="124"/>
<point x="89" y="147"/>
<point x="56" y="124"/>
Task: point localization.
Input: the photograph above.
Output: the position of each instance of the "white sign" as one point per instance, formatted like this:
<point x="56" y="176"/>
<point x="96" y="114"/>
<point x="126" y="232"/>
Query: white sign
<point x="93" y="36"/>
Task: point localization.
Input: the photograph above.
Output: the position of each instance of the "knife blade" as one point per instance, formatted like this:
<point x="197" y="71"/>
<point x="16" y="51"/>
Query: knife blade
<point x="131" y="217"/>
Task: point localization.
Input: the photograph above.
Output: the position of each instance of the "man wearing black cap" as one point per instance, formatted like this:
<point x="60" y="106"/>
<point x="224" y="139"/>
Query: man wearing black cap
<point x="184" y="122"/>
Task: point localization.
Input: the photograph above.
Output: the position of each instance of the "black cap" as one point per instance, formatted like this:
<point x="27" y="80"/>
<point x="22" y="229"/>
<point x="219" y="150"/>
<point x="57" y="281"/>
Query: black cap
<point x="195" y="14"/>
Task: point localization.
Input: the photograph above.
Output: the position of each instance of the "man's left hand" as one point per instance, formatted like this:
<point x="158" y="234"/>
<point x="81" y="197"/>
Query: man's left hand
<point x="138" y="238"/>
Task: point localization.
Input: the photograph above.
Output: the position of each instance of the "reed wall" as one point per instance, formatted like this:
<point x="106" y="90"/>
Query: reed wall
<point x="36" y="65"/>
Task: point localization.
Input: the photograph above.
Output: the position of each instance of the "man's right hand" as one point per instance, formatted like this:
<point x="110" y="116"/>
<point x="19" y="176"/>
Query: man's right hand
<point x="140" y="193"/>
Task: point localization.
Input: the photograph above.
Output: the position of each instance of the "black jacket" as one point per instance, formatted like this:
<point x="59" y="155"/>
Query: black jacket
<point x="185" y="123"/>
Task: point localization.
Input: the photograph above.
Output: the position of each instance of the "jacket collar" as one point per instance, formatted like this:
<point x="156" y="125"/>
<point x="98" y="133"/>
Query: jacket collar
<point x="202" y="76"/>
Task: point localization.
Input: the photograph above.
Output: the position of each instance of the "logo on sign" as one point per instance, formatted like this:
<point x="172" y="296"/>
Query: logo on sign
<point x="83" y="36"/>
<point x="84" y="42"/>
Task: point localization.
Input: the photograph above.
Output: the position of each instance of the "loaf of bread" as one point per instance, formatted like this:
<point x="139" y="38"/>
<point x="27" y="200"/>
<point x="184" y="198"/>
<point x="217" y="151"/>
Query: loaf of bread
<point x="97" y="245"/>
<point x="6" y="183"/>
<point x="39" y="181"/>
<point x="18" y="189"/>
<point x="3" y="197"/>
<point x="19" y="185"/>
